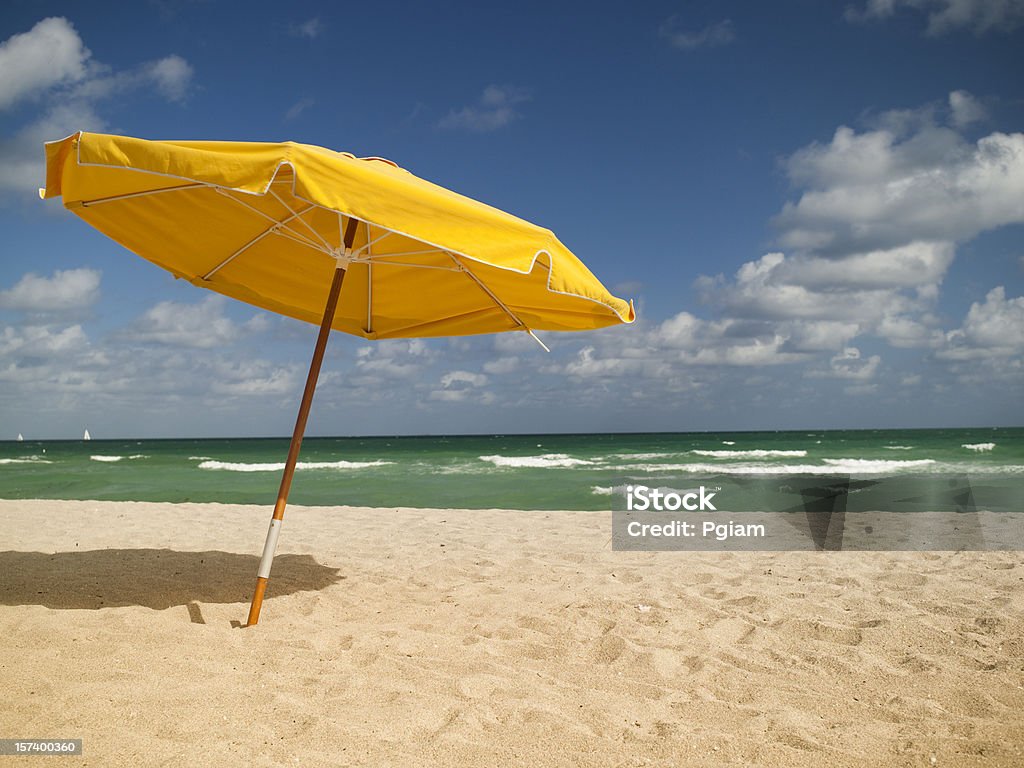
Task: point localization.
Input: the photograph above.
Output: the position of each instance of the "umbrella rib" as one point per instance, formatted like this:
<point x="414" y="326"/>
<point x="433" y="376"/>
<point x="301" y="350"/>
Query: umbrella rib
<point x="403" y="264"/>
<point x="302" y="221"/>
<point x="115" y="198"/>
<point x="275" y="228"/>
<point x="431" y="252"/>
<point x="465" y="270"/>
<point x="369" y="276"/>
<point x="369" y="242"/>
<point x="296" y="235"/>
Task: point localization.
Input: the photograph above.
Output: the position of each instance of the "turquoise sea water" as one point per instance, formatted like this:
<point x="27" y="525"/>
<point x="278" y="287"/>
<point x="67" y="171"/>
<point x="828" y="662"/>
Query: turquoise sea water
<point x="503" y="471"/>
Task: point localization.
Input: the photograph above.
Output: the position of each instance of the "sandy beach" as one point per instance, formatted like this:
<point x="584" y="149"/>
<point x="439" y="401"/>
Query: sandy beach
<point x="468" y="638"/>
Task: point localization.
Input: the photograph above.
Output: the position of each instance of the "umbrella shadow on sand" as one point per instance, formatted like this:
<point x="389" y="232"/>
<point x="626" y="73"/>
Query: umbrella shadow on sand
<point x="151" y="578"/>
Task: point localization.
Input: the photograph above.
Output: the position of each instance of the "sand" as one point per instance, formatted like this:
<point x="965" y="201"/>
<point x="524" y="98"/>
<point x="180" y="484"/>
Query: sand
<point x="469" y="638"/>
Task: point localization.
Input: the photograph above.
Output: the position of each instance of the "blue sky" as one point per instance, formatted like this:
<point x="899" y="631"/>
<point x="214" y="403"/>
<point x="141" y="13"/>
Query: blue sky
<point x="818" y="209"/>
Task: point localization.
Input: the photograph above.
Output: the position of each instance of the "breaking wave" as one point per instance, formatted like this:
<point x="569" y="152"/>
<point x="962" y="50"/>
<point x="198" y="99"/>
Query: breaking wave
<point x="756" y="453"/>
<point x="546" y="461"/>
<point x="238" y="466"/>
<point x="978" y="447"/>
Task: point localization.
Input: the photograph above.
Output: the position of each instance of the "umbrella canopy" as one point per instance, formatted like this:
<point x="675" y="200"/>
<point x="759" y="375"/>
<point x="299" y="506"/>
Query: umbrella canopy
<point x="354" y="244"/>
<point x="255" y="221"/>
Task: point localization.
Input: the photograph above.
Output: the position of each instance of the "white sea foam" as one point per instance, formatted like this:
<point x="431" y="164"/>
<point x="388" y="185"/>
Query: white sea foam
<point x="728" y="442"/>
<point x="830" y="467"/>
<point x="200" y="458"/>
<point x="978" y="447"/>
<point x="237" y="466"/>
<point x="641" y="456"/>
<point x="756" y="453"/>
<point x="876" y="465"/>
<point x="899" y="447"/>
<point x="26" y="460"/>
<point x="111" y="459"/>
<point x="602" y="490"/>
<point x="546" y="461"/>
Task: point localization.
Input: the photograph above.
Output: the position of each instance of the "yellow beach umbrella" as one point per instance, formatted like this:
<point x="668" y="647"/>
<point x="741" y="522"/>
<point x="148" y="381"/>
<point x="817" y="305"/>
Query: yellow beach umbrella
<point x="354" y="244"/>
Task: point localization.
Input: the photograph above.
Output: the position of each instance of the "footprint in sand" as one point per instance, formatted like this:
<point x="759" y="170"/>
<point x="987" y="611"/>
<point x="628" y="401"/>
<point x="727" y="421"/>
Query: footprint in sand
<point x="829" y="633"/>
<point x="609" y="648"/>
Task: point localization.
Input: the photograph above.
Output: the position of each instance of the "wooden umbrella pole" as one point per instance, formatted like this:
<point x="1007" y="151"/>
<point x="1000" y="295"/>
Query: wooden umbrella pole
<point x="263" y="575"/>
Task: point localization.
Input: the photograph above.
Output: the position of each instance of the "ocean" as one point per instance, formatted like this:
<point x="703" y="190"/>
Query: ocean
<point x="571" y="472"/>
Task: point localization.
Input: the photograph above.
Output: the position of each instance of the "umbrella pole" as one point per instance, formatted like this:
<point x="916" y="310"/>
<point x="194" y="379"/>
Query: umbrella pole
<point x="270" y="546"/>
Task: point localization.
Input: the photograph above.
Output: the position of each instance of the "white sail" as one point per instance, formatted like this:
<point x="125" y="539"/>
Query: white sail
<point x="87" y="436"/>
<point x="20" y="438"/>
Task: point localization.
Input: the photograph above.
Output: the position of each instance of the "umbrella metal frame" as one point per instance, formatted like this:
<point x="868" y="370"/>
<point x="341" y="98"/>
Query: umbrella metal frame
<point x="343" y="256"/>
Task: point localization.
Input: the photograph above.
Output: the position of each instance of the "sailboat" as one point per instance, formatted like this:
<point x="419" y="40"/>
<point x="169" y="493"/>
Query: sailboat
<point x="87" y="436"/>
<point x="20" y="437"/>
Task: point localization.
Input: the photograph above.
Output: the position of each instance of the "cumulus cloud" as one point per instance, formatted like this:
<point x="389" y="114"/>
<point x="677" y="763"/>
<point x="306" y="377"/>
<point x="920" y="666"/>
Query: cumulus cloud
<point x="171" y="75"/>
<point x="502" y="366"/>
<point x="201" y="325"/>
<point x="869" y="242"/>
<point x="462" y="386"/>
<point x="716" y="34"/>
<point x="51" y="66"/>
<point x="771" y="288"/>
<point x="993" y="328"/>
<point x="877" y="190"/>
<point x="849" y="365"/>
<point x="463" y="377"/>
<point x="495" y="109"/>
<point x="40" y="340"/>
<point x="965" y="109"/>
<point x="254" y="378"/>
<point x="944" y="16"/>
<point x="48" y="55"/>
<point x="71" y="289"/>
<point x="391" y="359"/>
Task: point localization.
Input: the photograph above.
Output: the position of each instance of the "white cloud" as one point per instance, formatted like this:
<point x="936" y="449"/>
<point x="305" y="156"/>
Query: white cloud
<point x="716" y="34"/>
<point x="993" y="328"/>
<point x="946" y="15"/>
<point x="732" y="342"/>
<point x="590" y="365"/>
<point x="878" y="190"/>
<point x="48" y="55"/>
<point x="199" y="325"/>
<point x="171" y="75"/>
<point x="21" y="156"/>
<point x="818" y="336"/>
<point x="71" y="289"/>
<point x="906" y="331"/>
<point x="849" y="365"/>
<point x="396" y="359"/>
<point x="907" y="266"/>
<point x="255" y="378"/>
<point x="51" y="65"/>
<point x="38" y="340"/>
<point x="965" y="109"/>
<point x="502" y="366"/>
<point x="870" y="239"/>
<point x="765" y="289"/>
<point x="463" y="377"/>
<point x="462" y="386"/>
<point x="496" y="109"/>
